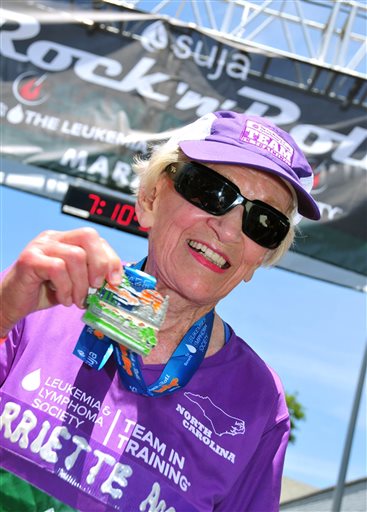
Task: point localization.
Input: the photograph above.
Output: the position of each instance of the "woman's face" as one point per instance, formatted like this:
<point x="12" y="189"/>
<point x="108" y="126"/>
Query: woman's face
<point x="197" y="255"/>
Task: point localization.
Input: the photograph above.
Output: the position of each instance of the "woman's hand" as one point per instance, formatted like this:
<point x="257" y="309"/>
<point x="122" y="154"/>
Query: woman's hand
<point x="57" y="267"/>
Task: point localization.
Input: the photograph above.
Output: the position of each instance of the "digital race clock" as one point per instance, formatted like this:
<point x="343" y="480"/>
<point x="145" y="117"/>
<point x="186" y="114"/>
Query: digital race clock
<point x="111" y="210"/>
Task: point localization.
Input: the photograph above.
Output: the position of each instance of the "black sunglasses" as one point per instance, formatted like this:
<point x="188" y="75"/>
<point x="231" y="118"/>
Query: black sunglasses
<point x="217" y="195"/>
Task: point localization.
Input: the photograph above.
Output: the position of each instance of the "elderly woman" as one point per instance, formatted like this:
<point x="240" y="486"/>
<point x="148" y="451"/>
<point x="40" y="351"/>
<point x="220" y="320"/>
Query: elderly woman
<point x="220" y="199"/>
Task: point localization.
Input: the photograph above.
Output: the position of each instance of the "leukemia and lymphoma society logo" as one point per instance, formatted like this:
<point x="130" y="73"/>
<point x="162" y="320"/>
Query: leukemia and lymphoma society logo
<point x="32" y="381"/>
<point x="30" y="88"/>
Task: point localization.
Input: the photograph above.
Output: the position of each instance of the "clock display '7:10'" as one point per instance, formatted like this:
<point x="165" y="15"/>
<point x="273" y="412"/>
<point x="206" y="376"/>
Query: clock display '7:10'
<point x="111" y="209"/>
<point x="122" y="213"/>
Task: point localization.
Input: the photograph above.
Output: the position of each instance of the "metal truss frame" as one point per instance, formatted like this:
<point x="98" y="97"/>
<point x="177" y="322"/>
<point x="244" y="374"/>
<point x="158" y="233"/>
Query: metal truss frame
<point x="325" y="39"/>
<point x="331" y="34"/>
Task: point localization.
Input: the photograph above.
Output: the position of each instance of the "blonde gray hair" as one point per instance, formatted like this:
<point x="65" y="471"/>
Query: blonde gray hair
<point x="150" y="171"/>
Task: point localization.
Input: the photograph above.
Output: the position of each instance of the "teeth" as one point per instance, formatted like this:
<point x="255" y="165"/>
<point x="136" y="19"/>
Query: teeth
<point x="210" y="255"/>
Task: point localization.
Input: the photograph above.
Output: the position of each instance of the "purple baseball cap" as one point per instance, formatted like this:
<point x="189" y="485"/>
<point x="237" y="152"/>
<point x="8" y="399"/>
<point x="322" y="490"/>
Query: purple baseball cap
<point x="231" y="138"/>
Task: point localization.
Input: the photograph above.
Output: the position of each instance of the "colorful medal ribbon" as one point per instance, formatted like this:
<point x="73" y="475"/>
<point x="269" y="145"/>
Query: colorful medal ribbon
<point x="179" y="369"/>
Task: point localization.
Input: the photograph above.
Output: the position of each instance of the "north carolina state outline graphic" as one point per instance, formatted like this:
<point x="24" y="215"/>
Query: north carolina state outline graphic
<point x="221" y="422"/>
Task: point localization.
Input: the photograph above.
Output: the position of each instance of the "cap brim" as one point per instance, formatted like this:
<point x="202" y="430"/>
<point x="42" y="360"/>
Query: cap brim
<point x="221" y="153"/>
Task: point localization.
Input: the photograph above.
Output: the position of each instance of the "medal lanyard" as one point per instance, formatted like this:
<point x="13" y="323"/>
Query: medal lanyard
<point x="177" y="372"/>
<point x="179" y="369"/>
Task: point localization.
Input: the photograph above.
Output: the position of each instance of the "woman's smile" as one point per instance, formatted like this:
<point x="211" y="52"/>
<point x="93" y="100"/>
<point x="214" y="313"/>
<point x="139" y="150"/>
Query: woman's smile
<point x="207" y="255"/>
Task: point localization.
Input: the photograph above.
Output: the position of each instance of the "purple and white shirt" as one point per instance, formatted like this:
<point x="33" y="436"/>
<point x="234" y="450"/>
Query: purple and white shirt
<point x="76" y="433"/>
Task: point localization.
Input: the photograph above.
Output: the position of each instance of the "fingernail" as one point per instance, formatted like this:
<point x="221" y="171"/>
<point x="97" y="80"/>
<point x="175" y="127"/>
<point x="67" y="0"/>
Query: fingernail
<point x="116" y="277"/>
<point x="83" y="303"/>
<point x="98" y="282"/>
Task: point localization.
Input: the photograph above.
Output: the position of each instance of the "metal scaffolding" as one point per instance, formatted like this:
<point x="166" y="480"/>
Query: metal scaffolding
<point x="331" y="34"/>
<point x="325" y="40"/>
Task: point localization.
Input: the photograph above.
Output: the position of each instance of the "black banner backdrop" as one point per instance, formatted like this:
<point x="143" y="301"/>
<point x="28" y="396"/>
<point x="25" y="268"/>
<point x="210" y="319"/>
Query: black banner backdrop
<point x="76" y="109"/>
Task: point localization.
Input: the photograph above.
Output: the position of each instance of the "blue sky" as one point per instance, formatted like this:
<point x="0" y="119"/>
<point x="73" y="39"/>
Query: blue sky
<point x="311" y="332"/>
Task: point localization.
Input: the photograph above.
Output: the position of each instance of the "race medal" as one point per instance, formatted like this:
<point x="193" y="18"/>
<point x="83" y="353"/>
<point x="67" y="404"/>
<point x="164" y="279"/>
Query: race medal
<point x="129" y="314"/>
<point x="125" y="319"/>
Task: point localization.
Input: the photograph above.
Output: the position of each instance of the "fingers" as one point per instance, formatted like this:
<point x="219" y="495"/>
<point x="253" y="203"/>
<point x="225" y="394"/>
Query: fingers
<point x="59" y="267"/>
<point x="89" y="261"/>
<point x="66" y="267"/>
<point x="56" y="280"/>
<point x="102" y="261"/>
<point x="26" y="287"/>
